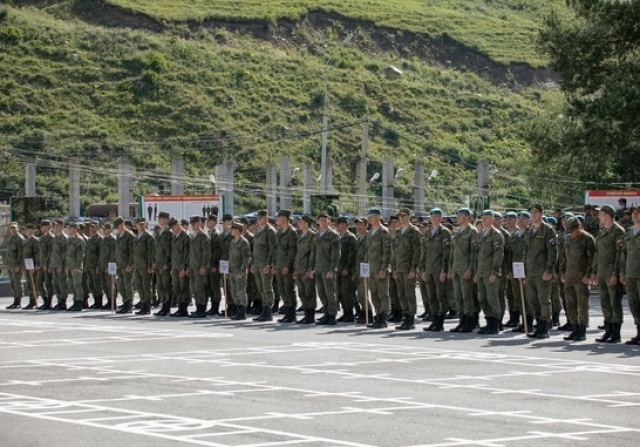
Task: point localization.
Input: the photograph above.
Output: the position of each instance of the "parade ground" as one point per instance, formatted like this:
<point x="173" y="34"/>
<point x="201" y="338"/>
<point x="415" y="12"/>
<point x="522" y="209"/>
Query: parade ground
<point x="101" y="380"/>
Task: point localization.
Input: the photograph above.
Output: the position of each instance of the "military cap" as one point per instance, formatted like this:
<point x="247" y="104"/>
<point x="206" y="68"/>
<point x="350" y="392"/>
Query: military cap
<point x="284" y="213"/>
<point x="30" y="226"/>
<point x="45" y="222"/>
<point x="173" y="221"/>
<point x="118" y="221"/>
<point x="184" y="222"/>
<point x="263" y="213"/>
<point x="545" y="219"/>
<point x="73" y="225"/>
<point x="487" y="213"/>
<point x="363" y="220"/>
<point x="435" y="211"/>
<point x="580" y="219"/>
<point x="212" y="217"/>
<point x="567" y="215"/>
<point x="227" y="217"/>
<point x="406" y="211"/>
<point x="271" y="220"/>
<point x="194" y="219"/>
<point x="572" y="224"/>
<point x="524" y="214"/>
<point x="497" y="215"/>
<point x="243" y="220"/>
<point x="128" y="222"/>
<point x="633" y="208"/>
<point x="13" y="224"/>
<point x="466" y="211"/>
<point x="537" y="206"/>
<point x="511" y="215"/>
<point x="93" y="223"/>
<point x="608" y="209"/>
<point x="342" y="219"/>
<point x="308" y="219"/>
<point x="323" y="215"/>
<point x="81" y="226"/>
<point x="59" y="221"/>
<point x="107" y="226"/>
<point x="393" y="218"/>
<point x="552" y="220"/>
<point x="252" y="220"/>
<point x="140" y="220"/>
<point x="163" y="214"/>
<point x="237" y="226"/>
<point x="375" y="211"/>
<point x="588" y="207"/>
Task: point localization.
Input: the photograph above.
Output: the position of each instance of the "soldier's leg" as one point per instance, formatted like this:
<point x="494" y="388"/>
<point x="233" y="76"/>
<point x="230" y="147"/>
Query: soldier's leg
<point x="160" y="285"/>
<point x="483" y="296"/>
<point x="424" y="295"/>
<point x="432" y="293"/>
<point x="216" y="295"/>
<point x="77" y="279"/>
<point x="442" y="300"/>
<point x="633" y="295"/>
<point x="509" y="292"/>
<point x="330" y="288"/>
<point x="175" y="283"/>
<point x="140" y="280"/>
<point x="41" y="286"/>
<point x="531" y="296"/>
<point x="451" y="296"/>
<point x="502" y="296"/>
<point x="572" y="302"/>
<point x="281" y="287"/>
<point x="199" y="293"/>
<point x="383" y="295"/>
<point x="556" y="303"/>
<point x="605" y="300"/>
<point x="347" y="292"/>
<point x="185" y="297"/>
<point x="582" y="294"/>
<point x="494" y="300"/>
<point x="469" y="296"/>
<point x="544" y="298"/>
<point x="401" y="291"/>
<point x="229" y="298"/>
<point x="393" y="295"/>
<point x="289" y="290"/>
<point x="322" y="291"/>
<point x="241" y="293"/>
<point x="615" y="292"/>
<point x="233" y="284"/>
<point x="265" y="284"/>
<point x="97" y="285"/>
<point x="305" y="295"/>
<point x="85" y="284"/>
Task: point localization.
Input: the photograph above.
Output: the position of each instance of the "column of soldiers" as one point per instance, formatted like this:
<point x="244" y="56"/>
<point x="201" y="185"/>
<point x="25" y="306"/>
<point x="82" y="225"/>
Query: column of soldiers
<point x="459" y="272"/>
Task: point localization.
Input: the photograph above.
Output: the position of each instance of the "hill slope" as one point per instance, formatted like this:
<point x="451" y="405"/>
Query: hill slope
<point x="96" y="79"/>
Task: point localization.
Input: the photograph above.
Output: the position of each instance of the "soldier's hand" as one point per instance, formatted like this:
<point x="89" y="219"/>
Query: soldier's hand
<point x="345" y="272"/>
<point x="202" y="271"/>
<point x="561" y="279"/>
<point x="382" y="274"/>
<point x="586" y="280"/>
<point x="450" y="275"/>
<point x="623" y="280"/>
<point x="493" y="278"/>
<point x="59" y="269"/>
<point x="182" y="274"/>
<point x="150" y="270"/>
<point x="253" y="269"/>
<point x="128" y="268"/>
<point x="509" y="276"/>
<point x="214" y="270"/>
<point x="467" y="275"/>
<point x="295" y="276"/>
<point x="266" y="270"/>
<point x="239" y="275"/>
<point x="546" y="276"/>
<point x="395" y="275"/>
<point x="310" y="274"/>
<point x="285" y="271"/>
<point x="423" y="275"/>
<point x="411" y="275"/>
<point x="329" y="275"/>
<point x="475" y="280"/>
<point x="613" y="281"/>
<point x="443" y="277"/>
<point x="16" y="269"/>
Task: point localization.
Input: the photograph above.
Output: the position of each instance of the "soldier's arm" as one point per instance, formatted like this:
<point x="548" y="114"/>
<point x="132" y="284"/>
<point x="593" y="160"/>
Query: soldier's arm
<point x="215" y="251"/>
<point x="508" y="254"/>
<point x="619" y="246"/>
<point x="552" y="250"/>
<point x="392" y="252"/>
<point x="335" y="252"/>
<point x="292" y="247"/>
<point x="594" y="263"/>
<point x="351" y="255"/>
<point x="151" y="245"/>
<point x="417" y="250"/>
<point x="386" y="252"/>
<point x="591" y="250"/>
<point x="622" y="259"/>
<point x="271" y="246"/>
<point x="206" y="253"/>
<point x="186" y="243"/>
<point x="473" y="252"/>
<point x="563" y="261"/>
<point x="498" y="253"/>
<point x="130" y="242"/>
<point x="312" y="256"/>
<point x="446" y="251"/>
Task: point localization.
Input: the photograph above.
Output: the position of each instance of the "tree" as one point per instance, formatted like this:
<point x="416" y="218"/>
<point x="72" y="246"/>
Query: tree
<point x="597" y="54"/>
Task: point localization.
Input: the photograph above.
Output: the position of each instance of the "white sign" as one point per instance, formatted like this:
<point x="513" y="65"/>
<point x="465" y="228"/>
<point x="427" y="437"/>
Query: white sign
<point x="611" y="197"/>
<point x="180" y="207"/>
<point x="112" y="268"/>
<point x="518" y="270"/>
<point x="224" y="267"/>
<point x="28" y="264"/>
<point x="364" y="270"/>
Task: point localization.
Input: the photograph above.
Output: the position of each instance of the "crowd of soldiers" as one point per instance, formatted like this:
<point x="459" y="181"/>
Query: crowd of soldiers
<point x="262" y="262"/>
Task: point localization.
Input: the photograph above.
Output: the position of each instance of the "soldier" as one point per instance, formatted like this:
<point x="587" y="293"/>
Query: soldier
<point x="511" y="227"/>
<point x="58" y="265"/>
<point x="346" y="270"/>
<point x="74" y="264"/>
<point x="518" y="248"/>
<point x="576" y="262"/>
<point x="325" y="267"/>
<point x="462" y="264"/>
<point x="124" y="262"/>
<point x="562" y="237"/>
<point x="395" y="314"/>
<point x="162" y="264"/>
<point x="94" y="274"/>
<point x="406" y="251"/>
<point x="199" y="264"/>
<point x="556" y="286"/>
<point x="45" y="283"/>
<point x="630" y="270"/>
<point x="30" y="251"/>
<point x="285" y="256"/>
<point x="239" y="260"/>
<point x="144" y="255"/>
<point x="540" y="262"/>
<point x="13" y="261"/>
<point x="180" y="267"/>
<point x="506" y="263"/>
<point x="85" y="274"/>
<point x="379" y="258"/>
<point x="362" y="224"/>
<point x="107" y="256"/>
<point x="225" y="243"/>
<point x="303" y="269"/>
<point x="489" y="269"/>
<point x="262" y="262"/>
<point x="609" y="241"/>
<point x="213" y="278"/>
<point x="434" y="267"/>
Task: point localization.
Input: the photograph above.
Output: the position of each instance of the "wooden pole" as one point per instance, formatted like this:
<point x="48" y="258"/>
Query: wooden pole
<point x="524" y="308"/>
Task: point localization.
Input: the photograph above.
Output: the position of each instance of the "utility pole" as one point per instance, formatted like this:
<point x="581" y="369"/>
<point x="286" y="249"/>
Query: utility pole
<point x="230" y="184"/>
<point x="74" y="187"/>
<point x="324" y="184"/>
<point x="419" y="187"/>
<point x="286" y="179"/>
<point x="30" y="179"/>
<point x="177" y="175"/>
<point x="125" y="186"/>
<point x="308" y="187"/>
<point x="271" y="189"/>
<point x="388" y="177"/>
<point x="361" y="198"/>
<point x="483" y="185"/>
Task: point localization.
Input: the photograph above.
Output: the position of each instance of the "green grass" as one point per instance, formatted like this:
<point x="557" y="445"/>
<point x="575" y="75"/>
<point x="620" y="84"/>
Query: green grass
<point x="218" y="95"/>
<point x="503" y="29"/>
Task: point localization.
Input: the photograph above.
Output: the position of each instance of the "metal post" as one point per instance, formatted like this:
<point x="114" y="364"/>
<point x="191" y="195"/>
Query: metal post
<point x="308" y="187"/>
<point x="329" y="178"/>
<point x="286" y="176"/>
<point x="177" y="175"/>
<point x="230" y="186"/>
<point x="74" y="187"/>
<point x="388" y="175"/>
<point x="30" y="180"/>
<point x="324" y="183"/>
<point x="361" y="198"/>
<point x="123" y="186"/>
<point x="271" y="189"/>
<point x="419" y="187"/>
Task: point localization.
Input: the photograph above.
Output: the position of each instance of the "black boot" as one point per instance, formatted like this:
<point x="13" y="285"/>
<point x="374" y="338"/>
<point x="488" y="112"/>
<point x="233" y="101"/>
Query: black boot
<point x="331" y="320"/>
<point x="615" y="333"/>
<point x="555" y="319"/>
<point x="164" y="311"/>
<point x="15" y="304"/>
<point x="427" y="316"/>
<point x="572" y="335"/>
<point x="85" y="303"/>
<point x="635" y="340"/>
<point x="240" y="313"/>
<point x="125" y="309"/>
<point x="181" y="312"/>
<point x="396" y="316"/>
<point x="289" y="315"/>
<point x="433" y="324"/>
<point x="267" y="314"/>
<point x="451" y="315"/>
<point x="514" y="319"/>
<point x="535" y="333"/>
<point x="543" y="326"/>
<point x="257" y="308"/>
<point x="138" y="305"/>
<point x="380" y="322"/>
<point x="374" y="321"/>
<point x="97" y="302"/>
<point x="581" y="335"/>
<point x="232" y="310"/>
<point x="608" y="329"/>
<point x="323" y="319"/>
<point x="215" y="309"/>
<point x="363" y="318"/>
<point x="492" y="326"/>
<point x="459" y="326"/>
<point x="308" y="317"/>
<point x="566" y="327"/>
<point x="468" y="325"/>
<point x="440" y="323"/>
<point x="201" y="311"/>
<point x="31" y="305"/>
<point x="47" y="303"/>
<point x="77" y="306"/>
<point x="403" y="323"/>
<point x="145" y="309"/>
<point x="484" y="328"/>
<point x="347" y="316"/>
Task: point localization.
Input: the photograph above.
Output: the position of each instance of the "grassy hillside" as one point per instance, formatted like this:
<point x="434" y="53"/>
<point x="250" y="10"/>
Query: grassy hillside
<point x="71" y="83"/>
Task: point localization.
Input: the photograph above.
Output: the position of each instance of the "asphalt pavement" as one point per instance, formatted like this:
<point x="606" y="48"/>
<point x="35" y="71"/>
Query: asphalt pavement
<point x="97" y="379"/>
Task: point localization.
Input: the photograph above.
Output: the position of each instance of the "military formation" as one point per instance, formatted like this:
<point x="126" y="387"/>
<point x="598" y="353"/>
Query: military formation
<point x="524" y="263"/>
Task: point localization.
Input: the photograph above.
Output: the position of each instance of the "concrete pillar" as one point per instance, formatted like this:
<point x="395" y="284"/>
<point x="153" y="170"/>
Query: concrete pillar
<point x="361" y="174"/>
<point x="30" y="180"/>
<point x="125" y="186"/>
<point x="308" y="188"/>
<point x="329" y="178"/>
<point x="271" y="189"/>
<point x="419" y="190"/>
<point x="286" y="176"/>
<point x="74" y="187"/>
<point x="229" y="167"/>
<point x="177" y="175"/>
<point x="388" y="175"/>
